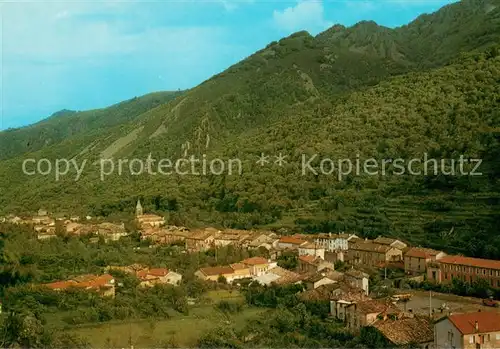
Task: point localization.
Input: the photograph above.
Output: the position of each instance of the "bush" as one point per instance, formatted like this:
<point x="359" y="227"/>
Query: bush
<point x="229" y="307"/>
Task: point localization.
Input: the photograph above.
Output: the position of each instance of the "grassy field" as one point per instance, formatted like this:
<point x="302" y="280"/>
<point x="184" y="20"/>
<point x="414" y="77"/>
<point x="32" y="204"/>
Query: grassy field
<point x="179" y="330"/>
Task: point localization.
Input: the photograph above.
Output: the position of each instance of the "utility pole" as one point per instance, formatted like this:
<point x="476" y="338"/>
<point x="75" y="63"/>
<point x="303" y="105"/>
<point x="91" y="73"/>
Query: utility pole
<point x="430" y="304"/>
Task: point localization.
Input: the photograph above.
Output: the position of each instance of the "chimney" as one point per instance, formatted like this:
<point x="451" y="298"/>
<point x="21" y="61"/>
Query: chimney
<point x="476" y="326"/>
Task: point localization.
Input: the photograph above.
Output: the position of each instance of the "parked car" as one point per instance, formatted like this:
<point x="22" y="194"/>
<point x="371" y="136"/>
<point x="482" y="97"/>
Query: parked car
<point x="490" y="302"/>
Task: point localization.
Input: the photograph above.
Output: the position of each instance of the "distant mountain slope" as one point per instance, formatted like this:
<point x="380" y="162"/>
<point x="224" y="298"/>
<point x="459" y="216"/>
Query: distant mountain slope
<point x="380" y="92"/>
<point x="66" y="123"/>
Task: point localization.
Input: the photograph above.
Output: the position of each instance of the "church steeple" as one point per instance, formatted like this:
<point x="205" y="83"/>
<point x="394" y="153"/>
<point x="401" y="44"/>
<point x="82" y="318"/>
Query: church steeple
<point x="138" y="209"/>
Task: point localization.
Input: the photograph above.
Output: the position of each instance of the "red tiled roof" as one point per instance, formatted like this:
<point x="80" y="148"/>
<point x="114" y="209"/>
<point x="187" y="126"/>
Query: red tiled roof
<point x="83" y="281"/>
<point x="370" y="247"/>
<point x="307" y="258"/>
<point x="141" y="274"/>
<point x="98" y="281"/>
<point x="158" y="271"/>
<point x="384" y="241"/>
<point x="471" y="262"/>
<point x="419" y="252"/>
<point x="373" y="306"/>
<point x="238" y="266"/>
<point x="255" y="261"/>
<point x="487" y="321"/>
<point x="61" y="285"/>
<point x="211" y="271"/>
<point x="200" y="235"/>
<point x="311" y="246"/>
<point x="291" y="240"/>
<point x="407" y="330"/>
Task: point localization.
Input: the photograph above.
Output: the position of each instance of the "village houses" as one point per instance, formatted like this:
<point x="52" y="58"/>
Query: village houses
<point x="311" y="249"/>
<point x="467" y="269"/>
<point x="201" y="240"/>
<point x="173" y="234"/>
<point x="372" y="254"/>
<point x="290" y="242"/>
<point x="149" y="277"/>
<point x="343" y="296"/>
<point x="104" y="285"/>
<point x="407" y="331"/>
<point x="248" y="268"/>
<point x="334" y="242"/>
<point x="365" y="313"/>
<point x="476" y="330"/>
<point x="417" y="258"/>
<point x="257" y="265"/>
<point x="147" y="220"/>
<point x="358" y="279"/>
<point x="312" y="264"/>
<point x="390" y="242"/>
<point x="323" y="278"/>
<point x="214" y="273"/>
<point x="158" y="276"/>
<point x="111" y="231"/>
<point x="230" y="237"/>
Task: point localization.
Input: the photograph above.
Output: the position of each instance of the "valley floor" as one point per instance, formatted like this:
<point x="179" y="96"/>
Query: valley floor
<point x="179" y="330"/>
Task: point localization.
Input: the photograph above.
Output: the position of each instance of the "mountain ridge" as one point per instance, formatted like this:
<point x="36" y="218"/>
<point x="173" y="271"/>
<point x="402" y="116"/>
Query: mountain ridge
<point x="388" y="93"/>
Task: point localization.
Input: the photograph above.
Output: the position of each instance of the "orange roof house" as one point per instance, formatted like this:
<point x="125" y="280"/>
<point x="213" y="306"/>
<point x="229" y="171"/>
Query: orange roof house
<point x="475" y="329"/>
<point x="421" y="252"/>
<point x="216" y="271"/>
<point x="472" y="262"/>
<point x="104" y="284"/>
<point x="467" y="269"/>
<point x="476" y="322"/>
<point x="416" y="259"/>
<point x="290" y="241"/>
<point x="154" y="276"/>
<point x="255" y="261"/>
<point x="307" y="258"/>
<point x="406" y="331"/>
<point x="61" y="285"/>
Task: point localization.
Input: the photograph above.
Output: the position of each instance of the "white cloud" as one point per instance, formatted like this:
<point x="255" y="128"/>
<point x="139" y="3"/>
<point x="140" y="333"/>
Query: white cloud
<point x="306" y="15"/>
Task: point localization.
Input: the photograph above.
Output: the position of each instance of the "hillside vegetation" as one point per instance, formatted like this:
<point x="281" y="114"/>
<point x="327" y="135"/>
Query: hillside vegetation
<point x="431" y="87"/>
<point x="67" y="123"/>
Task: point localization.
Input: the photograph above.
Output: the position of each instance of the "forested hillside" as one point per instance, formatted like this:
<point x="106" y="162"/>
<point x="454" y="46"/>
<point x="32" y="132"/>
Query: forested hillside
<point x="431" y="87"/>
<point x="67" y="123"/>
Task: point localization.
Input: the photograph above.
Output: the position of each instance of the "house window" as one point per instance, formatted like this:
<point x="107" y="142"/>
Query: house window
<point x="471" y="339"/>
<point x="498" y="336"/>
<point x="450" y="336"/>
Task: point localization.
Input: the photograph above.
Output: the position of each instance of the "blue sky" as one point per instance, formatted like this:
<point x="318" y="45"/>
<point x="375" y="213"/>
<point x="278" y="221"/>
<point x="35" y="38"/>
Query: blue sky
<point x="89" y="54"/>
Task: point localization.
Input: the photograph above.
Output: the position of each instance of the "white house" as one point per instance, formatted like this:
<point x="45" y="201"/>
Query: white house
<point x="469" y="330"/>
<point x="333" y="242"/>
<point x="312" y="249"/>
<point x="358" y="279"/>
